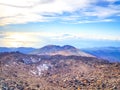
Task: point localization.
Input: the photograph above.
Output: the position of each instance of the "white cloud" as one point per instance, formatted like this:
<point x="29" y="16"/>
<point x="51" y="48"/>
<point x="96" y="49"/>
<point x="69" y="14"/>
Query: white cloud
<point x="24" y="11"/>
<point x="102" y="12"/>
<point x="18" y="39"/>
<point x="111" y="0"/>
<point x="38" y="39"/>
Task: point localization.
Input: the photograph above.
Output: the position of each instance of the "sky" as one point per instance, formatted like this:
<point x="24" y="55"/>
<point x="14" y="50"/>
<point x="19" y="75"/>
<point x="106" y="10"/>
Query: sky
<point x="81" y="23"/>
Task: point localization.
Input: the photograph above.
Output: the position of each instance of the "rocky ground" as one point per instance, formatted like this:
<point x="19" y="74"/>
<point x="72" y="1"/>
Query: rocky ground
<point x="31" y="72"/>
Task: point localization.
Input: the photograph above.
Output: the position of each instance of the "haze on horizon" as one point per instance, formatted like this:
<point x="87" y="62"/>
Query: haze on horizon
<point x="81" y="23"/>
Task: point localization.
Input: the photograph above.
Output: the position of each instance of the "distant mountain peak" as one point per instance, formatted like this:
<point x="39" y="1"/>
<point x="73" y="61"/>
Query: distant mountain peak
<point x="50" y="46"/>
<point x="68" y="47"/>
<point x="65" y="50"/>
<point x="57" y="47"/>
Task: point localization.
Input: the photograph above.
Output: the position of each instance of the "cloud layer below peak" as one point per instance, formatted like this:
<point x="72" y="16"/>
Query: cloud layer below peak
<point x="37" y="39"/>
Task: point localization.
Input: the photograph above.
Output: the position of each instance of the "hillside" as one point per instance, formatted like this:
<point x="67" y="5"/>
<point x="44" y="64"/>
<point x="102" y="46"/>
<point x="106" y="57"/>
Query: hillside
<point x="57" y="72"/>
<point x="109" y="53"/>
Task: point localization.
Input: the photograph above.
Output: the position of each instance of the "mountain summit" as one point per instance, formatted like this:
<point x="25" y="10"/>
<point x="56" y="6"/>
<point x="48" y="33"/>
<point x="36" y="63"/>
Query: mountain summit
<point x="65" y="50"/>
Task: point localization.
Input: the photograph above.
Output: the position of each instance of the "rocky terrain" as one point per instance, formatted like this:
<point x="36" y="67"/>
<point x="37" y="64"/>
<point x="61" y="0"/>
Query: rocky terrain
<point x="57" y="72"/>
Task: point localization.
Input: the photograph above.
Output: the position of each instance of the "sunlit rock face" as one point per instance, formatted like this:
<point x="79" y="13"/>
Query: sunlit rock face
<point x="40" y="69"/>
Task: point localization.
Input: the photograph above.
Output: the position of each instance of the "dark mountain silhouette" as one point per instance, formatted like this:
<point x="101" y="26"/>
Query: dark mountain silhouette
<point x="60" y="50"/>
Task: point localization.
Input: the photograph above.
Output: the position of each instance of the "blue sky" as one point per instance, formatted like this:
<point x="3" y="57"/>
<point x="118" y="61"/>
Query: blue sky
<point x="81" y="23"/>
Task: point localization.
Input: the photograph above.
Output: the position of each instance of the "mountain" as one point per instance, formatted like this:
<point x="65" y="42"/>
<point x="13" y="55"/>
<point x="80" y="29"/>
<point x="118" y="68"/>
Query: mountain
<point x="52" y="70"/>
<point x="60" y="50"/>
<point x="24" y="50"/>
<point x="57" y="72"/>
<point x="109" y="53"/>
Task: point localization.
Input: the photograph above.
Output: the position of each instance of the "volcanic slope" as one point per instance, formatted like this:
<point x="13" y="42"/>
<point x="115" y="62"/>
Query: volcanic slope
<point x="43" y="72"/>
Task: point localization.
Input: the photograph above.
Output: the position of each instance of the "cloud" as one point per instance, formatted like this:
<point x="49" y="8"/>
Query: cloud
<point x="86" y="36"/>
<point x="38" y="39"/>
<point x="111" y="0"/>
<point x="19" y="39"/>
<point x="25" y="11"/>
<point x="26" y="39"/>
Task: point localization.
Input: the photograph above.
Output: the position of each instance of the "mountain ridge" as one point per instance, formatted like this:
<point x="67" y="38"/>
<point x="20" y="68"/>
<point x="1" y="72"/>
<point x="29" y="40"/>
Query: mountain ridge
<point x="24" y="50"/>
<point x="109" y="53"/>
